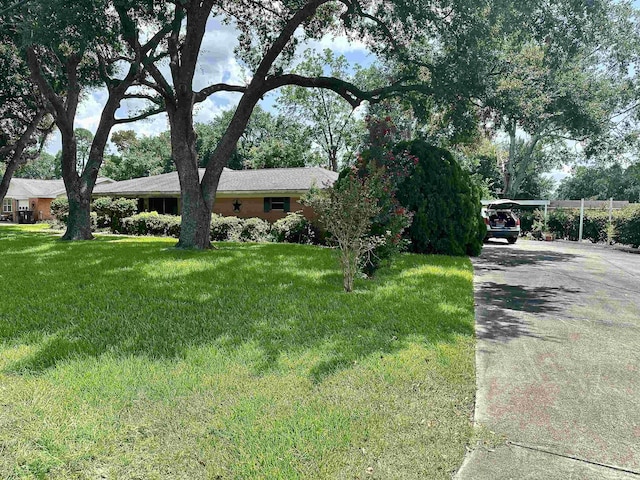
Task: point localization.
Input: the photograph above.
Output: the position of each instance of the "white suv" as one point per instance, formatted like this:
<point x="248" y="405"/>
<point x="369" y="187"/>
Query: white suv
<point x="500" y="220"/>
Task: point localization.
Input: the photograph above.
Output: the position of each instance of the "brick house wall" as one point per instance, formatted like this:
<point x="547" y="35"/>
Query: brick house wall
<point x="41" y="208"/>
<point x="254" y="207"/>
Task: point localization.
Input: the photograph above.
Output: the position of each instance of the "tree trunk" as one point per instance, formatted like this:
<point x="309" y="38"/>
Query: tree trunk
<point x="16" y="159"/>
<point x="510" y="171"/>
<point x="333" y="158"/>
<point x="12" y="166"/>
<point x="79" y="221"/>
<point x="195" y="227"/>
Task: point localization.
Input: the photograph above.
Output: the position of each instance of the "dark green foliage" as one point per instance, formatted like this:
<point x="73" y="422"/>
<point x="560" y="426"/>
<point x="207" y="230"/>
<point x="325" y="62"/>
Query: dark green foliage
<point x="60" y="208"/>
<point x="111" y="211"/>
<point x="294" y="228"/>
<point x="627" y="225"/>
<point x="255" y="230"/>
<point x="225" y="228"/>
<point x="565" y="223"/>
<point x="445" y="203"/>
<point x="151" y="223"/>
<point x="527" y="219"/>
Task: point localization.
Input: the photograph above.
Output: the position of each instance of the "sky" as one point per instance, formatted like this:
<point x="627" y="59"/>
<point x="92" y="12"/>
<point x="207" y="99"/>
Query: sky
<point x="217" y="64"/>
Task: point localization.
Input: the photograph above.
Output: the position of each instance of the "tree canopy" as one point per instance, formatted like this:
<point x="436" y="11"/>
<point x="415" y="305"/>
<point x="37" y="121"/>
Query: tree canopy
<point x="599" y="182"/>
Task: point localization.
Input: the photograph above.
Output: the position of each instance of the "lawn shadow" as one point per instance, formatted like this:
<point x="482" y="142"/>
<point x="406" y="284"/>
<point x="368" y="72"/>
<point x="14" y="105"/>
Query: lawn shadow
<point x="138" y="297"/>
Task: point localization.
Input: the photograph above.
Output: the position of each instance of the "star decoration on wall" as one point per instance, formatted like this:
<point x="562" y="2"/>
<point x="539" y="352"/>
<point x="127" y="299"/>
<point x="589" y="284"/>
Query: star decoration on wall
<point x="236" y="206"/>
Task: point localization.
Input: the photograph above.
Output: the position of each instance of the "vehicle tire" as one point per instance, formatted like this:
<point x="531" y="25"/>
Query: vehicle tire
<point x="512" y="240"/>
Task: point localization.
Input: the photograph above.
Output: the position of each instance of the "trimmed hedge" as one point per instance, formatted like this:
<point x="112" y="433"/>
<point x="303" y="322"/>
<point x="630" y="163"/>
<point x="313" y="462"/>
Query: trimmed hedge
<point x="294" y="228"/>
<point x="627" y="226"/>
<point x="222" y="228"/>
<point x="565" y="223"/>
<point x="226" y="228"/>
<point x="150" y="223"/>
<point x="111" y="211"/>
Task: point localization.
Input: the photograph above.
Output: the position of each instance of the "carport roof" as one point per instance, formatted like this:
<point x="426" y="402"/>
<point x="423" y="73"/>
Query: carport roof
<point x="524" y="203"/>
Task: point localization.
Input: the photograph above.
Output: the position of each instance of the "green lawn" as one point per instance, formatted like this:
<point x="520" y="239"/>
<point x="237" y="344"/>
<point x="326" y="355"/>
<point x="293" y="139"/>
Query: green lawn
<point x="125" y="358"/>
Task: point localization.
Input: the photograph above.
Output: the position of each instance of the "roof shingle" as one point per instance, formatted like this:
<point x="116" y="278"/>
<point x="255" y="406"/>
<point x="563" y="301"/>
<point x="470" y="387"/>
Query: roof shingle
<point x="231" y="181"/>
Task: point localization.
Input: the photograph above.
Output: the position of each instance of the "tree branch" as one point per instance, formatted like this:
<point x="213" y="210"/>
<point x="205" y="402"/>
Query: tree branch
<point x="142" y="116"/>
<point x="203" y="94"/>
<point x="351" y="93"/>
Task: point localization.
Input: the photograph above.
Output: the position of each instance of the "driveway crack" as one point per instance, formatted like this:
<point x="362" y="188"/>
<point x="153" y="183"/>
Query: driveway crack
<point x="572" y="457"/>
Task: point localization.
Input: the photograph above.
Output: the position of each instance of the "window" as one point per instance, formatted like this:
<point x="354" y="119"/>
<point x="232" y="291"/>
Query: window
<point x="164" y="205"/>
<point x="7" y="205"/>
<point x="277" y="203"/>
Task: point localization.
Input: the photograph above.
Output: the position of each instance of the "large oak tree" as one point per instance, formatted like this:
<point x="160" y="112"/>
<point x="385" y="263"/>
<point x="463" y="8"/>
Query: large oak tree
<point x="435" y="41"/>
<point x="71" y="48"/>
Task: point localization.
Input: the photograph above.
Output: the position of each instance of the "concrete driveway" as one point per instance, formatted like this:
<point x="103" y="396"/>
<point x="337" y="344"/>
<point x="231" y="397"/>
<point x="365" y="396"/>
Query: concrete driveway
<point x="558" y="362"/>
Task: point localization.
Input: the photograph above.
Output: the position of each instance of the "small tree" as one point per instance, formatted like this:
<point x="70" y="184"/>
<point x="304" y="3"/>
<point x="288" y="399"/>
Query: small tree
<point x="347" y="211"/>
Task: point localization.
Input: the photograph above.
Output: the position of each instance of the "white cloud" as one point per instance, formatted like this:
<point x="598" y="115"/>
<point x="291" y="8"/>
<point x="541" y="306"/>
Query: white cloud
<point x="340" y="44"/>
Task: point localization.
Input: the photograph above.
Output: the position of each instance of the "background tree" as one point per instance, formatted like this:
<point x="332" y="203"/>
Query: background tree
<point x="331" y="121"/>
<point x="71" y="48"/>
<point x="268" y="141"/>
<point x="84" y="138"/>
<point x="44" y="167"/>
<point x="138" y="156"/>
<point x="570" y="82"/>
<point x="25" y="121"/>
<point x="599" y="182"/>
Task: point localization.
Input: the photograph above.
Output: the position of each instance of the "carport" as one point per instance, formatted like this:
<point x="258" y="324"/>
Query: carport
<point x="524" y="203"/>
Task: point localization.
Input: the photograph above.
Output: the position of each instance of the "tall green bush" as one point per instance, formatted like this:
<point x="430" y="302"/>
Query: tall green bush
<point x="446" y="204"/>
<point x="627" y="226"/>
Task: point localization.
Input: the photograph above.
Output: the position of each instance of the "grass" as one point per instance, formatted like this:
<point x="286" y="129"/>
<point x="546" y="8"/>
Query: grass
<point x="125" y="358"/>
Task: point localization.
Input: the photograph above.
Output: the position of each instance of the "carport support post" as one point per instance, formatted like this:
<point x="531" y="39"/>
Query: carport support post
<point x="610" y="210"/>
<point x="545" y="216"/>
<point x="581" y="219"/>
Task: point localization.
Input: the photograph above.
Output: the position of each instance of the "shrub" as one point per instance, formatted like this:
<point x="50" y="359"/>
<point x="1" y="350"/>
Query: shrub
<point x="226" y="228"/>
<point x="294" y="228"/>
<point x="385" y="167"/>
<point x="446" y="204"/>
<point x="565" y="223"/>
<point x="255" y="230"/>
<point x="100" y="206"/>
<point x="347" y="211"/>
<point x="110" y="211"/>
<point x="60" y="209"/>
<point x="151" y="223"/>
<point x="627" y="226"/>
<point x="527" y="219"/>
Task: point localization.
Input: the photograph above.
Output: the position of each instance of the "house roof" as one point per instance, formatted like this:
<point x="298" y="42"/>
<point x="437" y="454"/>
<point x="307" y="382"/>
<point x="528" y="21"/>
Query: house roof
<point x="25" y="188"/>
<point x="231" y="181"/>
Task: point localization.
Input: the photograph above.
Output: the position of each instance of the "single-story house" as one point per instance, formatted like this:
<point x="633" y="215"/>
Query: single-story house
<point x="266" y="193"/>
<point x="29" y="200"/>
